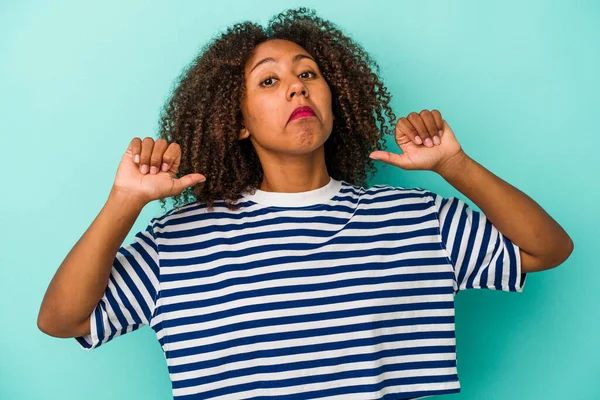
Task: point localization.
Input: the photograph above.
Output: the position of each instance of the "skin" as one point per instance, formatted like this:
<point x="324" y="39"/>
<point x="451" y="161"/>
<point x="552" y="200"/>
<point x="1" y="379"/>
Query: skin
<point x="291" y="153"/>
<point x="292" y="156"/>
<point x="428" y="143"/>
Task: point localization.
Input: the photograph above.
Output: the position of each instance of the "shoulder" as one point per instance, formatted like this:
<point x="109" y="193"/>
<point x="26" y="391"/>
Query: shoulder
<point x="383" y="190"/>
<point x="385" y="195"/>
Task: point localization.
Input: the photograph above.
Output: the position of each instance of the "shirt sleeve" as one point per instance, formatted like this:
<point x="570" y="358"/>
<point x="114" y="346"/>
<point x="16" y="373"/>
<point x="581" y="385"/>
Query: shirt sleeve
<point x="129" y="299"/>
<point x="481" y="256"/>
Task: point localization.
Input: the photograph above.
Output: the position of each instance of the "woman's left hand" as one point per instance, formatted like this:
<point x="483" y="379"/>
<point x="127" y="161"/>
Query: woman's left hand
<point x="415" y="136"/>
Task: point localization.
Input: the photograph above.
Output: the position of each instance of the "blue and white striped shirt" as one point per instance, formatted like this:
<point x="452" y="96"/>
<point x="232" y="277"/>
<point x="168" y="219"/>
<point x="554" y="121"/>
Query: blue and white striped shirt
<point x="337" y="293"/>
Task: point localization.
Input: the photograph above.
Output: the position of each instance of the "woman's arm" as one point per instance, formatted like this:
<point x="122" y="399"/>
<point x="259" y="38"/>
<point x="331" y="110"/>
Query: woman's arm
<point x="428" y="143"/>
<point x="543" y="242"/>
<point x="82" y="278"/>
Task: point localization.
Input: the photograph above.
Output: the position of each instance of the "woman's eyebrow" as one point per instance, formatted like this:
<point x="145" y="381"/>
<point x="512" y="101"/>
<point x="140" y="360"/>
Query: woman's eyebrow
<point x="297" y="57"/>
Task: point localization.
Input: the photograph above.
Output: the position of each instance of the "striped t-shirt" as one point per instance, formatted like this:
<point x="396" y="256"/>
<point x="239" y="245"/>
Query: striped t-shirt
<point x="336" y="293"/>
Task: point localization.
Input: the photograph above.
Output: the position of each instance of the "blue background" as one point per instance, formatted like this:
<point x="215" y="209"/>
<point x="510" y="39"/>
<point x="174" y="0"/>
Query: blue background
<point x="517" y="82"/>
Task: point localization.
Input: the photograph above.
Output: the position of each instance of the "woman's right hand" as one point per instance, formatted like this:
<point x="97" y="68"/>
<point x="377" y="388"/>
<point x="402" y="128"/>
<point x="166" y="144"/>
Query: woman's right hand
<point x="147" y="171"/>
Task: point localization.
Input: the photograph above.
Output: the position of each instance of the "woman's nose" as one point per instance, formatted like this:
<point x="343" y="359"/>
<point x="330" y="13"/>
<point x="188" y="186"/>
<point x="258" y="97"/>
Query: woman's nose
<point x="298" y="87"/>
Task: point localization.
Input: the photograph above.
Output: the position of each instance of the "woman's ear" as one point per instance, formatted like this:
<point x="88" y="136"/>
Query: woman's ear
<point x="244" y="133"/>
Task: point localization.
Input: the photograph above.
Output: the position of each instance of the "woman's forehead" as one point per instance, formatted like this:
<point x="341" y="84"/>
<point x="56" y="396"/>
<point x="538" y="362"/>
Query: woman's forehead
<point x="277" y="49"/>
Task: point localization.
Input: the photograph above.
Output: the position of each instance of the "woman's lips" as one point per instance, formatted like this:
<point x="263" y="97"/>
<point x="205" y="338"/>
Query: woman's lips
<point x="302" y="115"/>
<point x="301" y="112"/>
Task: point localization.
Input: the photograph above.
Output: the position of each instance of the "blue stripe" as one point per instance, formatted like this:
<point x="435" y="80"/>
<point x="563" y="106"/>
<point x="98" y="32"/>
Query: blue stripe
<point x="310" y="216"/>
<point x="299" y="288"/>
<point x="295" y="232"/>
<point x="484" y="275"/>
<point x="310" y="379"/>
<point x="480" y="256"/>
<point x="284" y="320"/>
<point x="314" y="256"/>
<point x="322" y="362"/>
<point x="309" y="302"/>
<point x="334" y="330"/>
<point x="244" y="265"/>
<point x="446" y="225"/>
<point x="130" y="284"/>
<point x="512" y="280"/>
<point x="299" y="273"/>
<point x="461" y="231"/>
<point x="269" y="231"/>
<point x="339" y="345"/>
<point x="367" y="388"/>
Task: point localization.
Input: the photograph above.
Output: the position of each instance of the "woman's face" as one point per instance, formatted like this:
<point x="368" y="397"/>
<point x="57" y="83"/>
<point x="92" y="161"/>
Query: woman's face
<point x="274" y="89"/>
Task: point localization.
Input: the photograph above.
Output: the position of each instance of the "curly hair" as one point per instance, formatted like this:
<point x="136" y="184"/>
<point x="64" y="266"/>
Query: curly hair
<point x="203" y="114"/>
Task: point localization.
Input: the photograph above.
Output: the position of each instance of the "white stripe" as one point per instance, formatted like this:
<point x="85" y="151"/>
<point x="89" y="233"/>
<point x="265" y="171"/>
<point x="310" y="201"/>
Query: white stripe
<point x="310" y="223"/>
<point x="299" y="311"/>
<point x="321" y="294"/>
<point x="297" y="327"/>
<point x="282" y="360"/>
<point x="325" y="385"/>
<point x="299" y="266"/>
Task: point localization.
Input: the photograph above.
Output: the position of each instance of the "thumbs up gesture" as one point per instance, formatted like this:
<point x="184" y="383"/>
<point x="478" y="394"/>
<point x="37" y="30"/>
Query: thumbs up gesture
<point x="147" y="171"/>
<point x="426" y="141"/>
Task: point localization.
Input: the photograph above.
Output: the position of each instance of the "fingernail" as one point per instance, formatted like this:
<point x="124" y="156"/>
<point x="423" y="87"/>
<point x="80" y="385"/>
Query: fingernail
<point x="137" y="158"/>
<point x="436" y="140"/>
<point x="165" y="167"/>
<point x="441" y="132"/>
<point x="418" y="139"/>
<point x="144" y="169"/>
<point x="153" y="170"/>
<point x="428" y="142"/>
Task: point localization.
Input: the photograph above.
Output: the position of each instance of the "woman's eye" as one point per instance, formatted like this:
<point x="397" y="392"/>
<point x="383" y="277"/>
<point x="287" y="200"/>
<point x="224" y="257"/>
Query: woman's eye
<point x="307" y="72"/>
<point x="270" y="78"/>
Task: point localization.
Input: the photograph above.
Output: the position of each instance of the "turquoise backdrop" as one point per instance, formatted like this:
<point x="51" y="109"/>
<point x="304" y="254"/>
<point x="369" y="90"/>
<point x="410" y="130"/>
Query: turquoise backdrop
<point x="517" y="81"/>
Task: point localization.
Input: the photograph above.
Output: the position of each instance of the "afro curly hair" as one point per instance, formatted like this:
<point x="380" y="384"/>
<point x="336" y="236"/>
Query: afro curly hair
<point x="203" y="112"/>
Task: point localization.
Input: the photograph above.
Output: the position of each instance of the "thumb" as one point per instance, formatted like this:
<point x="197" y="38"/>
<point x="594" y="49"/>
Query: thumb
<point x="399" y="160"/>
<point x="187" y="181"/>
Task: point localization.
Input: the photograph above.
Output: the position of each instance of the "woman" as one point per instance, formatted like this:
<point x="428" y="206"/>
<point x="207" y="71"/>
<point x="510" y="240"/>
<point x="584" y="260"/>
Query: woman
<point x="284" y="277"/>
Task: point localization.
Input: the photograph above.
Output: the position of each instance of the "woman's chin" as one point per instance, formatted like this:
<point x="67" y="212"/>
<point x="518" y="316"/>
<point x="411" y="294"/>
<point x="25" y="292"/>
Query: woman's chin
<point x="309" y="138"/>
